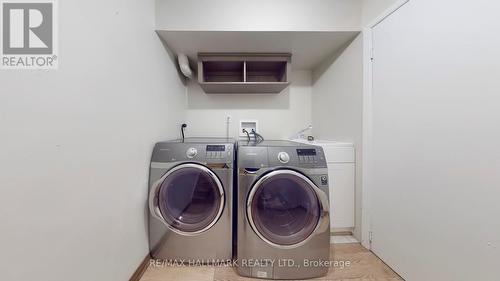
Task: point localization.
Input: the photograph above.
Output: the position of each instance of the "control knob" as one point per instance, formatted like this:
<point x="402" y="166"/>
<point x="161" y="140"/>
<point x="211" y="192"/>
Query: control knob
<point x="191" y="152"/>
<point x="283" y="157"/>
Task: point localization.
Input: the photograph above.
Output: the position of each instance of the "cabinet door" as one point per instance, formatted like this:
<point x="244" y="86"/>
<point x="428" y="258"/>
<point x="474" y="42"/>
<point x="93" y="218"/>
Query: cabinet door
<point x="342" y="182"/>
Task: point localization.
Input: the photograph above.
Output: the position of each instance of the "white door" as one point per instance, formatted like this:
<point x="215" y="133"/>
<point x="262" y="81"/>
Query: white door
<point x="436" y="140"/>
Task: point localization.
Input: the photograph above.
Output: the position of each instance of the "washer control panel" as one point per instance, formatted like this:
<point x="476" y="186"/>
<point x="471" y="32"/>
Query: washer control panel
<point x="307" y="156"/>
<point x="216" y="151"/>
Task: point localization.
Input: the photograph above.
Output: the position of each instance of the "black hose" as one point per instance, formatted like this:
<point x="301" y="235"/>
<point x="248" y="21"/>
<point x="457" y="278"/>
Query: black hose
<point x="248" y="134"/>
<point x="183" y="126"/>
<point x="257" y="136"/>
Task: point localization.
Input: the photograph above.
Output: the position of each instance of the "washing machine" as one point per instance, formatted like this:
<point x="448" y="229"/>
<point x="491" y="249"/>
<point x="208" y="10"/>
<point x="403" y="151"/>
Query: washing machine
<point x="282" y="210"/>
<point x="190" y="200"/>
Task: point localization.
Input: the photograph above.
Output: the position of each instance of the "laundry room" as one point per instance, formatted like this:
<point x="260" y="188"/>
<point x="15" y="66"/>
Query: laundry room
<point x="161" y="140"/>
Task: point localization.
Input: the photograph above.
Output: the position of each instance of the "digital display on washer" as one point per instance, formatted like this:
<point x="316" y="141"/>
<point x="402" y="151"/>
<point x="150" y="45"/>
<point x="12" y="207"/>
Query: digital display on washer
<point x="216" y="147"/>
<point x="306" y="152"/>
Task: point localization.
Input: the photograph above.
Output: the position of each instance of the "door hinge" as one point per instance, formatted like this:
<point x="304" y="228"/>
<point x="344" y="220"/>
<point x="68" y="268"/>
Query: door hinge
<point x="372" y="56"/>
<point x="370" y="236"/>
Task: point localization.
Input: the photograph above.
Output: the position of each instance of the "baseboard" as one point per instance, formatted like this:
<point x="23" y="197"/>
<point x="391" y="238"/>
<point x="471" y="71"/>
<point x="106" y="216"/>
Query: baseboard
<point x="141" y="269"/>
<point x="341" y="231"/>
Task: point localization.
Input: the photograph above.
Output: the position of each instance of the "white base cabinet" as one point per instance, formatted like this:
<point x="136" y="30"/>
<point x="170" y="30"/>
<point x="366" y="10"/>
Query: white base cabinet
<point x="341" y="161"/>
<point x="342" y="181"/>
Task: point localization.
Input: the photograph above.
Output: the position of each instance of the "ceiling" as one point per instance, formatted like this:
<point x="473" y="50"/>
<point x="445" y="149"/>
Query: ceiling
<point x="308" y="48"/>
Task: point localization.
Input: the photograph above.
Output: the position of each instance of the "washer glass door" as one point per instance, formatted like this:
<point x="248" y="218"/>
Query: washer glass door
<point x="190" y="198"/>
<point x="283" y="208"/>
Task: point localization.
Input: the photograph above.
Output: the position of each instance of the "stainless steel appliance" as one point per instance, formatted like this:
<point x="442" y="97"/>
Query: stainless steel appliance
<point x="283" y="210"/>
<point x="190" y="200"/>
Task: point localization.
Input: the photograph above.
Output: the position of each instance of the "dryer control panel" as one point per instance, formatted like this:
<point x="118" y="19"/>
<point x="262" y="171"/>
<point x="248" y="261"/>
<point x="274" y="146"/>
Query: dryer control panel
<point x="216" y="151"/>
<point x="212" y="153"/>
<point x="307" y="155"/>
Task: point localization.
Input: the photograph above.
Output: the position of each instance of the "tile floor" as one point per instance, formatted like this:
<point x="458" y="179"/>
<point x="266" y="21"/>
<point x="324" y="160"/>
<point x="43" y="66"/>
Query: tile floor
<point x="364" y="266"/>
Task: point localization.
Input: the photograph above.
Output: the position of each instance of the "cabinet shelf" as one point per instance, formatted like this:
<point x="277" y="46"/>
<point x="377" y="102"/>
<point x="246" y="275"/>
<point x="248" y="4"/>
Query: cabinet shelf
<point x="223" y="71"/>
<point x="243" y="73"/>
<point x="266" y="71"/>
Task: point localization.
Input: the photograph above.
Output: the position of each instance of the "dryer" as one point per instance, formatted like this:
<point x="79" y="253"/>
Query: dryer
<point x="190" y="200"/>
<point x="283" y="225"/>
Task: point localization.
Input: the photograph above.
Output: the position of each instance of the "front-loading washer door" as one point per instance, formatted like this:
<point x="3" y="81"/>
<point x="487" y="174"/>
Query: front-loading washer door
<point x="189" y="199"/>
<point x="284" y="208"/>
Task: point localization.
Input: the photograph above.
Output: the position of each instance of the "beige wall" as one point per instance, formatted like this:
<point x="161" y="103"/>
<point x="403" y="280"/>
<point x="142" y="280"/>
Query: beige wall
<point x="373" y="8"/>
<point x="279" y="115"/>
<point x="76" y="143"/>
<point x="337" y="106"/>
<point x="259" y="14"/>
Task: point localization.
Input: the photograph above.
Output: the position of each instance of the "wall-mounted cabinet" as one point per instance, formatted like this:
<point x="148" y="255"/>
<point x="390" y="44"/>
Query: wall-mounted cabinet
<point x="243" y="73"/>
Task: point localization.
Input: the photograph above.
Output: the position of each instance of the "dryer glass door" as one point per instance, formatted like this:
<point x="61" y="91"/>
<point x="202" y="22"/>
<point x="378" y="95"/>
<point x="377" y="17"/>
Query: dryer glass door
<point x="283" y="208"/>
<point x="190" y="198"/>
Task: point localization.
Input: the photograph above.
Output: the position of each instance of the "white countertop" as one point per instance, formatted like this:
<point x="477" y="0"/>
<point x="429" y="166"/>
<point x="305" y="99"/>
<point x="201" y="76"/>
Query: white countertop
<point x="325" y="142"/>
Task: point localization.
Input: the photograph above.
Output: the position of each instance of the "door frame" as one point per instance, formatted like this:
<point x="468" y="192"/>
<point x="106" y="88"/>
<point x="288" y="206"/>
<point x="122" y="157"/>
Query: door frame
<point x="367" y="131"/>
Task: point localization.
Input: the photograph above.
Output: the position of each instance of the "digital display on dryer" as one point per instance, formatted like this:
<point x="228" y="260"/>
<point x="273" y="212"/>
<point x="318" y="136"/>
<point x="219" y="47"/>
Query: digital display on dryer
<point x="216" y="148"/>
<point x="306" y="152"/>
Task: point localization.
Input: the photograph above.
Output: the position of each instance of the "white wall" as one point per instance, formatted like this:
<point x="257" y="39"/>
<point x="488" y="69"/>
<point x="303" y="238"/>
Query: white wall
<point x="259" y="15"/>
<point x="279" y="115"/>
<point x="371" y="9"/>
<point x="337" y="101"/>
<point x="75" y="144"/>
<point x="436" y="153"/>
